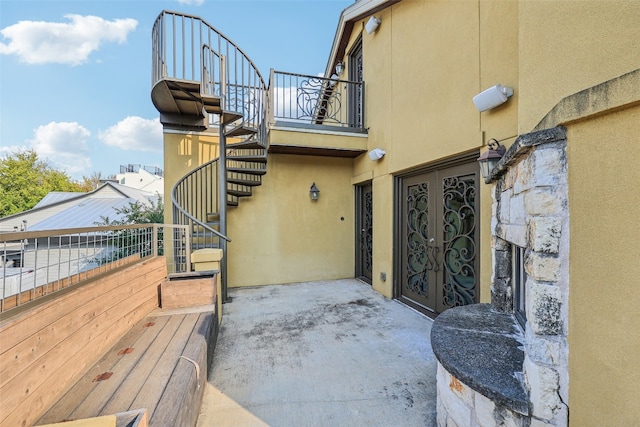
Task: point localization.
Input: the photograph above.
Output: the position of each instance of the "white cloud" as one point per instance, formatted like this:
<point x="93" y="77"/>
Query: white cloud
<point x="38" y="42"/>
<point x="134" y="134"/>
<point x="64" y="144"/>
<point x="194" y="2"/>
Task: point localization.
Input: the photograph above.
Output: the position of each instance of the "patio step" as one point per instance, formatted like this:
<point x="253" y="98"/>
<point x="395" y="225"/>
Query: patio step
<point x="161" y="364"/>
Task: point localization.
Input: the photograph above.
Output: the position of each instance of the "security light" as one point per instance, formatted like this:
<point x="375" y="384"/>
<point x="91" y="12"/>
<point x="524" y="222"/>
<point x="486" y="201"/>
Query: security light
<point x="372" y="24"/>
<point x="377" y="154"/>
<point x="492" y="97"/>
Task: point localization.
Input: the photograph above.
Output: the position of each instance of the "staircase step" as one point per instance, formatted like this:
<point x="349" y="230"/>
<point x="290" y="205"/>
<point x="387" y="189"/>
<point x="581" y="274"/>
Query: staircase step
<point x="249" y="144"/>
<point x="238" y="192"/>
<point x="248" y="171"/>
<point x="229" y="117"/>
<point x="211" y="104"/>
<point x="241" y="131"/>
<point x="257" y="159"/>
<point x="246" y="182"/>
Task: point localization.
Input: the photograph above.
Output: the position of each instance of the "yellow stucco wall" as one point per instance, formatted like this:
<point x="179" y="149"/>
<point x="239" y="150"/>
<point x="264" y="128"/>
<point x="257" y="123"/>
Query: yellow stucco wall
<point x="604" y="348"/>
<point x="568" y="46"/>
<point x="281" y="236"/>
<point x="422" y="68"/>
<point x="184" y="152"/>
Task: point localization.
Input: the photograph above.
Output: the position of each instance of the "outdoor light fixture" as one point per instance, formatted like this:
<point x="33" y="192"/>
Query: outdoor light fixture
<point x="339" y="68"/>
<point x="372" y="24"/>
<point x="314" y="193"/>
<point x="489" y="158"/>
<point x="377" y="154"/>
<point x="492" y="97"/>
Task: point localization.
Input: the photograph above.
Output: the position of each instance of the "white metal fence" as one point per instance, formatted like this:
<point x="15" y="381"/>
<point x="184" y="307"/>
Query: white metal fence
<point x="38" y="263"/>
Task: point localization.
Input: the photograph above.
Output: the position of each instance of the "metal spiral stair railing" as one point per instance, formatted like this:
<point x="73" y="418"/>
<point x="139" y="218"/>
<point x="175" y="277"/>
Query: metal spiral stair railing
<point x="202" y="80"/>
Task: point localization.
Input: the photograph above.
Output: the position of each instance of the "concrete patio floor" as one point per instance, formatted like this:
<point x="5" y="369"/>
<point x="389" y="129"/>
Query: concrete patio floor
<point x="332" y="353"/>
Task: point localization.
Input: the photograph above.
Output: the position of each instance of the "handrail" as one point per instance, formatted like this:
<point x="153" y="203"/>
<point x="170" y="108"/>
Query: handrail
<point x="178" y="206"/>
<point x="37" y="263"/>
<point x="178" y="39"/>
<point x="211" y="27"/>
<point x="186" y="48"/>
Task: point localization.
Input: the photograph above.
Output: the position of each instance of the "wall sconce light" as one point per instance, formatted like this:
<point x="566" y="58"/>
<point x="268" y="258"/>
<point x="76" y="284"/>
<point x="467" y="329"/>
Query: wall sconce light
<point x="372" y="24"/>
<point x="492" y="97"/>
<point x="339" y="68"/>
<point x="314" y="193"/>
<point x="377" y="154"/>
<point x="489" y="158"/>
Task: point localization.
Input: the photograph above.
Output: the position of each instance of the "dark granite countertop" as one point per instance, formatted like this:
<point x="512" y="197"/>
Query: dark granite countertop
<point x="484" y="349"/>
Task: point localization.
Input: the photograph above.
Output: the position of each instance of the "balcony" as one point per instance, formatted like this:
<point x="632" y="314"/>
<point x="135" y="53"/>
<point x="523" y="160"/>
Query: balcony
<point x="316" y="115"/>
<point x="105" y="322"/>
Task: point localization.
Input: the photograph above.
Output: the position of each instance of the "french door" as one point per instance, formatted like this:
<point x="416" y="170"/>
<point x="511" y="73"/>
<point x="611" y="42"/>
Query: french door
<point x="439" y="256"/>
<point x="364" y="232"/>
<point x="356" y="98"/>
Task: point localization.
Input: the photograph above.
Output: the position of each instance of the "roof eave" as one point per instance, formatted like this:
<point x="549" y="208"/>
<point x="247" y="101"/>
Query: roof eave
<point x="360" y="9"/>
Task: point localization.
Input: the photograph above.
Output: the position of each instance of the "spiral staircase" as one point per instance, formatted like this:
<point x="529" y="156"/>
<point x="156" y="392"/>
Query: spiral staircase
<point x="203" y="82"/>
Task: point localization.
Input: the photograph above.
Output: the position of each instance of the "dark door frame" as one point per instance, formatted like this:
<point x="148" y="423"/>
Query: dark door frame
<point x="359" y="194"/>
<point x="398" y="209"/>
<point x="356" y="93"/>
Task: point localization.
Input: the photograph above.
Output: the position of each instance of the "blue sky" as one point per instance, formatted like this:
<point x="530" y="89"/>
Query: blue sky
<point x="75" y="76"/>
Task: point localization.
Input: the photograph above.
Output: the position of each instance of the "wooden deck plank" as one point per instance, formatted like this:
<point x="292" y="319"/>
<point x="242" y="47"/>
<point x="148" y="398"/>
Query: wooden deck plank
<point x="155" y="384"/>
<point x="181" y="401"/>
<point x="98" y="402"/>
<point x="14" y="329"/>
<point x="70" y="312"/>
<point x="156" y="377"/>
<point x="28" y="351"/>
<point x="81" y="361"/>
<point x="139" y="337"/>
<point x="108" y="324"/>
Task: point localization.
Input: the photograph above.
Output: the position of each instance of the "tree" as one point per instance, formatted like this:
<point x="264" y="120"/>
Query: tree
<point x="25" y="180"/>
<point x="128" y="242"/>
<point x="138" y="213"/>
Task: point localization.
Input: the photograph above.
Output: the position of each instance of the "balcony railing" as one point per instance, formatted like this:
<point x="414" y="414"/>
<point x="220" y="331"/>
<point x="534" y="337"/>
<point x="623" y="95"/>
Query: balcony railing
<point x="38" y="263"/>
<point x="300" y="99"/>
<point x="187" y="48"/>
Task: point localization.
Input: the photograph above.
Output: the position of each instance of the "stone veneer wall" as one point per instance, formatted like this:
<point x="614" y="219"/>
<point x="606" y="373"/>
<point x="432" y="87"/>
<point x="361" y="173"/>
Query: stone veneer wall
<point x="459" y="405"/>
<point x="530" y="209"/>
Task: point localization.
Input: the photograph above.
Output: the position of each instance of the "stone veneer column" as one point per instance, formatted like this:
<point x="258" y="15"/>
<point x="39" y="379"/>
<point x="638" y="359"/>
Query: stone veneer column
<point x="531" y="211"/>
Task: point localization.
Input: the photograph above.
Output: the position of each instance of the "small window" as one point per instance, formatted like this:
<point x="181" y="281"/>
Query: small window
<point x="519" y="278"/>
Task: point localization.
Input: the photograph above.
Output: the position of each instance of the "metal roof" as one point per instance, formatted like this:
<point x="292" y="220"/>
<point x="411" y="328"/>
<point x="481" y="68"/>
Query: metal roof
<point x="87" y="213"/>
<point x="69" y="210"/>
<point x="55" y="197"/>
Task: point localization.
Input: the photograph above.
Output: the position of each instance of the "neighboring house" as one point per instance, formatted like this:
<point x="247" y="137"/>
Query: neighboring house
<point x="59" y="210"/>
<point x="547" y="240"/>
<point x="146" y="178"/>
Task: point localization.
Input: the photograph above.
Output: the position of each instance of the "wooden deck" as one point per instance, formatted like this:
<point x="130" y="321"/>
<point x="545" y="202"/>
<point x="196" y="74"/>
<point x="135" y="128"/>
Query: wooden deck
<point x="159" y="365"/>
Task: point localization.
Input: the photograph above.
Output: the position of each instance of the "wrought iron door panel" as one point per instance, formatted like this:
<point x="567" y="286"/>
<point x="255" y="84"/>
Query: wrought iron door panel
<point x="459" y="241"/>
<point x="438" y="256"/>
<point x="364" y="244"/>
<point x="419" y="253"/>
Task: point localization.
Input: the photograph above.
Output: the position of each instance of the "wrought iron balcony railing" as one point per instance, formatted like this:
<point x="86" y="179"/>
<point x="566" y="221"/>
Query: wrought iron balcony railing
<point x="38" y="263"/>
<point x="300" y="99"/>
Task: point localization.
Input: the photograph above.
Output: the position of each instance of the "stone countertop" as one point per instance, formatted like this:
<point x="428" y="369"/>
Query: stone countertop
<point x="484" y="349"/>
